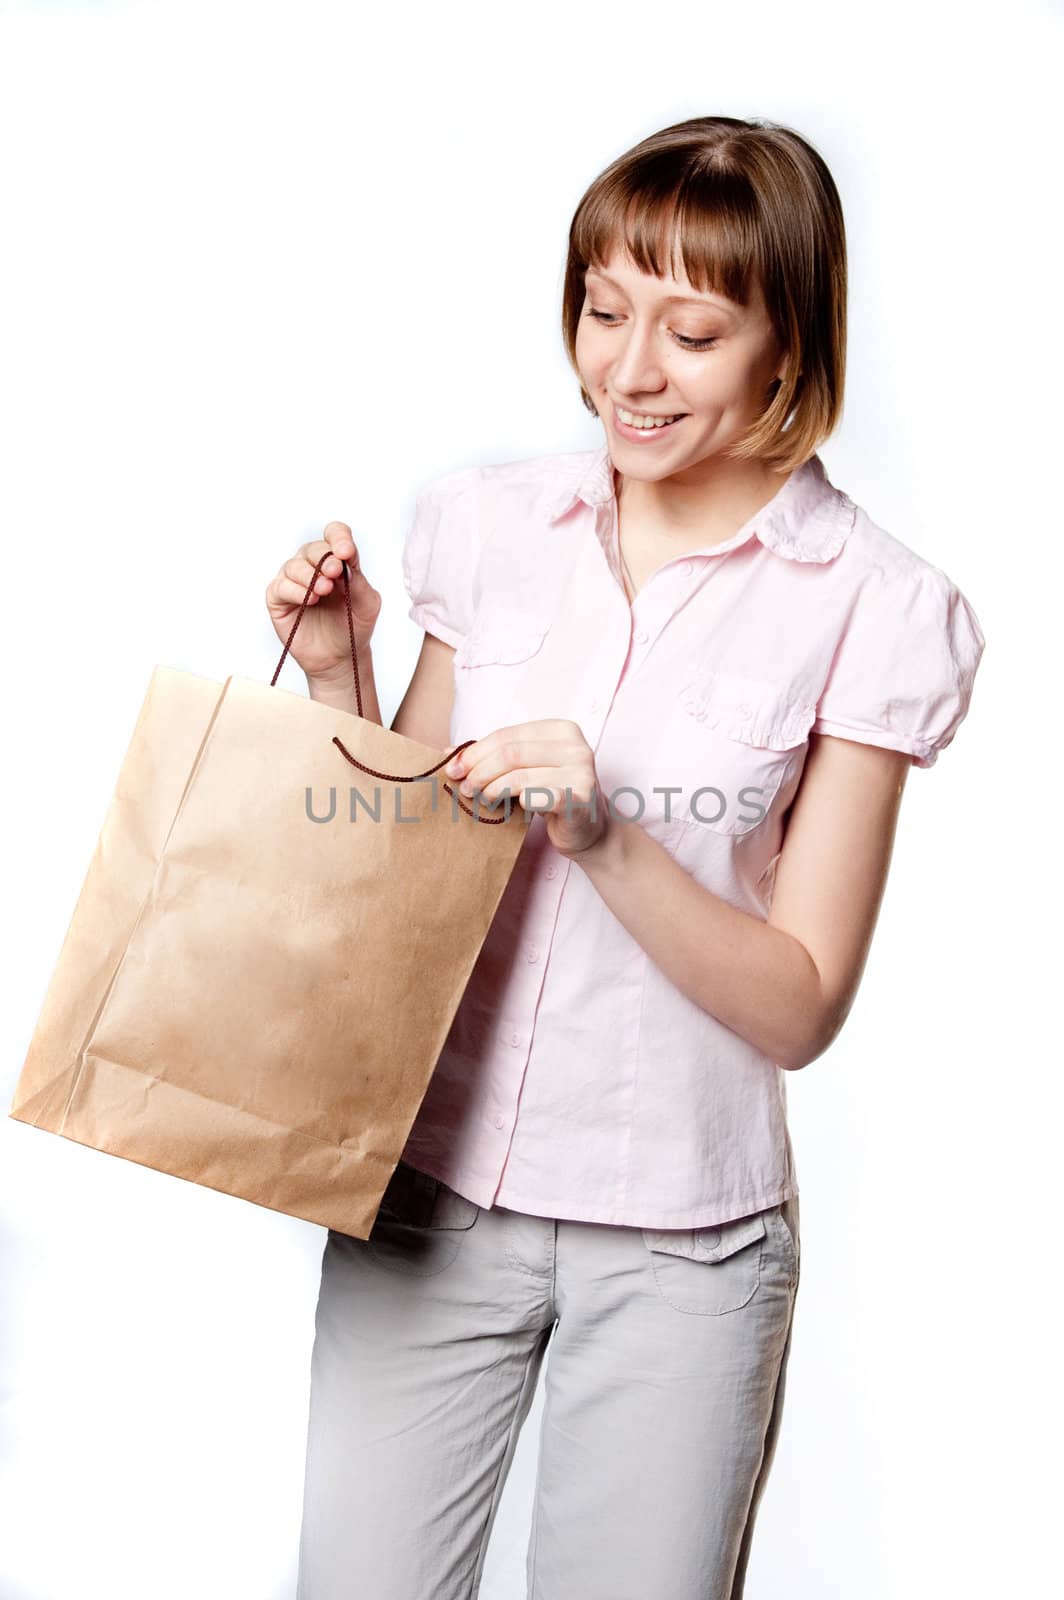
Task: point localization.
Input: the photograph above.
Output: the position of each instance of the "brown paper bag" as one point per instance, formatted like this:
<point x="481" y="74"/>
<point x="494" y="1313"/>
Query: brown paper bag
<point x="248" y="998"/>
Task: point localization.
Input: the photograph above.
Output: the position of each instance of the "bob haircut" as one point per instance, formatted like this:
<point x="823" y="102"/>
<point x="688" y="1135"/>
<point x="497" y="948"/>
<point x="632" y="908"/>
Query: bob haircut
<point x="747" y="202"/>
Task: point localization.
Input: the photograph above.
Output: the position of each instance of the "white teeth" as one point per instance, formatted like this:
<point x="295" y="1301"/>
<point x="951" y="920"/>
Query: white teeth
<point x="634" y="421"/>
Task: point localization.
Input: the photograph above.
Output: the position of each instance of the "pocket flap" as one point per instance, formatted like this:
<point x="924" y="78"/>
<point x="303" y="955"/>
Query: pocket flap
<point x="502" y="634"/>
<point x="707" y="1244"/>
<point x="756" y="711"/>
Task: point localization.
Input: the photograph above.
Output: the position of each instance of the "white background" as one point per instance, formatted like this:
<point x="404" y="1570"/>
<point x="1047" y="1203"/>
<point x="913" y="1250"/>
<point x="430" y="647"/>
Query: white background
<point x="267" y="265"/>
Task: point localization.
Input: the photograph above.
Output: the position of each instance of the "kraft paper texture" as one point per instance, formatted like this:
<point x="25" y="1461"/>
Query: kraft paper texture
<point x="248" y="999"/>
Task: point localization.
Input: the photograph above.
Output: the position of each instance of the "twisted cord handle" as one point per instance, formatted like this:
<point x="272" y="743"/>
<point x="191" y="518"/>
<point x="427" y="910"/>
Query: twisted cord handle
<point x="392" y="777"/>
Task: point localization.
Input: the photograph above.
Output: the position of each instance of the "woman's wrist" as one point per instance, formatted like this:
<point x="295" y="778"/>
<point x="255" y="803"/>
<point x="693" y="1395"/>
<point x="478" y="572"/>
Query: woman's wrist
<point x="337" y="688"/>
<point x="608" y="853"/>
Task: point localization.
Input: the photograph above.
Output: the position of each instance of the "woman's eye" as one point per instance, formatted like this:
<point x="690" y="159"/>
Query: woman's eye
<point x="608" y="318"/>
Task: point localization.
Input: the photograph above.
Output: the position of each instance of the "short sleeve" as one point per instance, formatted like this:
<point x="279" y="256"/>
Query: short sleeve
<point x="440" y="556"/>
<point x="903" y="671"/>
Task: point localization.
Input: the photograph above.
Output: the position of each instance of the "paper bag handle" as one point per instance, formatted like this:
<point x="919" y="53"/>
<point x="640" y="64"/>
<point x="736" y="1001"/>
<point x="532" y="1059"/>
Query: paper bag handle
<point x="392" y="777"/>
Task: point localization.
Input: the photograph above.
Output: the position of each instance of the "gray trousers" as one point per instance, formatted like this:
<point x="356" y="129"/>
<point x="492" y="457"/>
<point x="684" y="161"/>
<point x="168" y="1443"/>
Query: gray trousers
<point x="662" y="1398"/>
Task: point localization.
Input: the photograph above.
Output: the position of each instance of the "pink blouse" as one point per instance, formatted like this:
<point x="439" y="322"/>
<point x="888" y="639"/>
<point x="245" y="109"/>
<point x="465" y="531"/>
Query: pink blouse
<point x="576" y="1080"/>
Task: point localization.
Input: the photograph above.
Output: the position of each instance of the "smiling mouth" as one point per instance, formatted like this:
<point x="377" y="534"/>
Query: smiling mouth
<point x="645" y="422"/>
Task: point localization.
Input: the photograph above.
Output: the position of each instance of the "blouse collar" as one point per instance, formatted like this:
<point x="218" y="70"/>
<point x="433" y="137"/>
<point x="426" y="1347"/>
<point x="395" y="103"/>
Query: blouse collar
<point x="808" y="519"/>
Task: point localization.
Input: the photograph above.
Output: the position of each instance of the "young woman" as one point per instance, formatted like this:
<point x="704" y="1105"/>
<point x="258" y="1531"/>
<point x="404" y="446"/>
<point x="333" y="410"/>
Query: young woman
<point x="707" y="671"/>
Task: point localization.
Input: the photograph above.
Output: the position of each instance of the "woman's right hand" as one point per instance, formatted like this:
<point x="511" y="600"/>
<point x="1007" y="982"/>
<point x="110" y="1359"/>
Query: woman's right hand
<point x="322" y="644"/>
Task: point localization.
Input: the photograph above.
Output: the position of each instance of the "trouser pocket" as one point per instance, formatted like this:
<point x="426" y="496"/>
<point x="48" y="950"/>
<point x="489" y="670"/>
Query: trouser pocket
<point x="420" y="1224"/>
<point x="708" y="1271"/>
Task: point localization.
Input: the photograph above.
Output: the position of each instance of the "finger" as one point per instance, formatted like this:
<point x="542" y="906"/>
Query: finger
<point x="553" y="789"/>
<point x="300" y="569"/>
<point x="543" y="788"/>
<point x="339" y="537"/>
<point x="283" y="591"/>
<point x="510" y="749"/>
<point x="337" y="547"/>
<point x="483" y="749"/>
<point x="320" y="554"/>
<point x="540" y="736"/>
<point x="490" y="777"/>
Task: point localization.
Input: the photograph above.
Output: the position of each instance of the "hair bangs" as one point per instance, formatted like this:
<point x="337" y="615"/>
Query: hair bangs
<point x="699" y="225"/>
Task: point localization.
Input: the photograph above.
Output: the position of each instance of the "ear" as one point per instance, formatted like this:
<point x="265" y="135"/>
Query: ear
<point x="783" y="368"/>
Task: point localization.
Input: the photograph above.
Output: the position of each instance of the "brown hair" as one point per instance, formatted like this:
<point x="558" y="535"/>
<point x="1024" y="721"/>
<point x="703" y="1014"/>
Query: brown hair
<point x="747" y="202"/>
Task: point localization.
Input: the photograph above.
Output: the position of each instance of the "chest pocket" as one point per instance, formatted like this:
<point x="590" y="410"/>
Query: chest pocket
<point x="498" y="672"/>
<point x="731" y="740"/>
<point x="502" y="637"/>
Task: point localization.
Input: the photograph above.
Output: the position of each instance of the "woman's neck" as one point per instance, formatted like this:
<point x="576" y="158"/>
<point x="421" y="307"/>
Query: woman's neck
<point x="690" y="513"/>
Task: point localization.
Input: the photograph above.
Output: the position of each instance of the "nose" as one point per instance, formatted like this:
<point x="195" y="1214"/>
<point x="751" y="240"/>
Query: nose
<point x="638" y="370"/>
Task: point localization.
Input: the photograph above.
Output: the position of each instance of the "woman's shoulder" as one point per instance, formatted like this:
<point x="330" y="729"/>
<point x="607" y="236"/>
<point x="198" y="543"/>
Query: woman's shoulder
<point x="892" y="595"/>
<point x="529" y="484"/>
<point x="874" y="556"/>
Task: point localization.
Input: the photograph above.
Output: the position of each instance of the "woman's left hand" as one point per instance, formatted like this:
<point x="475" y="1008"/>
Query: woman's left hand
<point x="552" y="756"/>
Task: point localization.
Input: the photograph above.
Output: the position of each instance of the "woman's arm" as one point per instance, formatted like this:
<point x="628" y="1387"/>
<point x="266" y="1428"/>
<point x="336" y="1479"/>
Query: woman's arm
<point x="787" y="984"/>
<point x="424" y="712"/>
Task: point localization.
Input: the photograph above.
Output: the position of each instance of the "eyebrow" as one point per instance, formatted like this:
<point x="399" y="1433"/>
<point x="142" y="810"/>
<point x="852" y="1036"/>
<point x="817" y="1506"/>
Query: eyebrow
<point x="714" y="304"/>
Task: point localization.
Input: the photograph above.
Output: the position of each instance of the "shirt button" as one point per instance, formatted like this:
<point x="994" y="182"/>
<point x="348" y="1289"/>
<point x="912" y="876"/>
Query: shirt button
<point x="533" y="953"/>
<point x="552" y="871"/>
<point x="744" y="710"/>
<point x="500" y="1122"/>
<point x="595" y="705"/>
<point x="515" y="1038"/>
<point x="641" y="636"/>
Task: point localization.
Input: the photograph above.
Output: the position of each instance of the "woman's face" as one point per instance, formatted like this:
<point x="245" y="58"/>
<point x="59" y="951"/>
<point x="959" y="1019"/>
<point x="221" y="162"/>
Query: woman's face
<point x="656" y="347"/>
